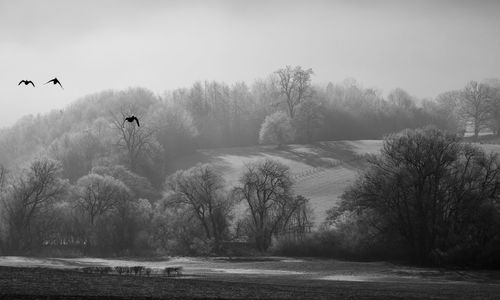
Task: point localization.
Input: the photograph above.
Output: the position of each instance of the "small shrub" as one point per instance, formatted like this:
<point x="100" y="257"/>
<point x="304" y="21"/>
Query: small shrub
<point x="137" y="269"/>
<point x="120" y="270"/>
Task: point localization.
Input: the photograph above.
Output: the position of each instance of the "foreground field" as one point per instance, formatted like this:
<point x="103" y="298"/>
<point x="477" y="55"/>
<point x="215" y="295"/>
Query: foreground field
<point x="40" y="283"/>
<point x="264" y="277"/>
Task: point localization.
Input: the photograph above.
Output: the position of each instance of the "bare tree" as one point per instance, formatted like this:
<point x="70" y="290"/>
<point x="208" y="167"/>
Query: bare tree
<point x="98" y="194"/>
<point x="308" y="118"/>
<point x="202" y="189"/>
<point x="77" y="152"/>
<point x="401" y="98"/>
<point x="135" y="140"/>
<point x="494" y="107"/>
<point x="176" y="130"/>
<point x="295" y="85"/>
<point x="267" y="189"/>
<point x="300" y="221"/>
<point x="3" y="178"/>
<point x="474" y="105"/>
<point x="29" y="197"/>
<point x="448" y="108"/>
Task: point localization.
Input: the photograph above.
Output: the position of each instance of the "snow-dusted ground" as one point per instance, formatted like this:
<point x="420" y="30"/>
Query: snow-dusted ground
<point x="277" y="267"/>
<point x="256" y="271"/>
<point x="321" y="171"/>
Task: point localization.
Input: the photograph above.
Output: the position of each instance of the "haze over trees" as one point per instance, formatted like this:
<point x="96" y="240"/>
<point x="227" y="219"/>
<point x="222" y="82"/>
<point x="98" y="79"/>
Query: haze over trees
<point x="83" y="181"/>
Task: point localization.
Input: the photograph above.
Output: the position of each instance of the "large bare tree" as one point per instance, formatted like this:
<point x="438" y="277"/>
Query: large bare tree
<point x="97" y="194"/>
<point x="295" y="85"/>
<point x="494" y="106"/>
<point x="475" y="105"/>
<point x="29" y="198"/>
<point x="201" y="188"/>
<point x="266" y="187"/>
<point x="308" y="119"/>
<point x="448" y="108"/>
<point x="134" y="140"/>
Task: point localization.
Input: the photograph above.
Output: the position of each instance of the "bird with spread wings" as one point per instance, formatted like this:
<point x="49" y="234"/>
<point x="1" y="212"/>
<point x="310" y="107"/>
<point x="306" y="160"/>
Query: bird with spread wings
<point x="131" y="119"/>
<point x="55" y="81"/>
<point x="26" y="82"/>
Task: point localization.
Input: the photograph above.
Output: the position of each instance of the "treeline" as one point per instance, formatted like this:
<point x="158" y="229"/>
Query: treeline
<point x="477" y="106"/>
<point x="113" y="211"/>
<point x="427" y="198"/>
<point x="82" y="179"/>
<point x="214" y="114"/>
<point x="206" y="115"/>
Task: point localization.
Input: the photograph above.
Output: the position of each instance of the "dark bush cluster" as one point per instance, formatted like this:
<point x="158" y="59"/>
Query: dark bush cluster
<point x="435" y="197"/>
<point x="120" y="270"/>
<point x="169" y="271"/>
<point x="97" y="270"/>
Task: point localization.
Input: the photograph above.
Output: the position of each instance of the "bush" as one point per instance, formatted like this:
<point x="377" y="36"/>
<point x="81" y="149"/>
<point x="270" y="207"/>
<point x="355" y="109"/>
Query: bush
<point x="276" y="129"/>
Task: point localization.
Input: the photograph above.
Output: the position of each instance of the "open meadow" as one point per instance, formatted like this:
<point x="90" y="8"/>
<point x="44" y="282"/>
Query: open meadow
<point x="243" y="278"/>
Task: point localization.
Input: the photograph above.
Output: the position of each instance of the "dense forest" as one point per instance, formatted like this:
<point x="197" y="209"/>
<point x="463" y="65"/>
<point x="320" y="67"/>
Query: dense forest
<point x="82" y="181"/>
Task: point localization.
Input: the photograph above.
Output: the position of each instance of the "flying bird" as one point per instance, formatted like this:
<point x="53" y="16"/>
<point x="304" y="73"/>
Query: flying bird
<point x="132" y="119"/>
<point x="55" y="81"/>
<point x="26" y="82"/>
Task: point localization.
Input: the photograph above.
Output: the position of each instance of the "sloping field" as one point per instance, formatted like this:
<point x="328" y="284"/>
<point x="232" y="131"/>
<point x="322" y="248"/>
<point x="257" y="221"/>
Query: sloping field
<point x="322" y="171"/>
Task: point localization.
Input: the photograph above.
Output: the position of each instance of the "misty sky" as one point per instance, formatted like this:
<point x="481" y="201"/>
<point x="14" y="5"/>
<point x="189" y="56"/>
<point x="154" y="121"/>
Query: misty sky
<point x="424" y="47"/>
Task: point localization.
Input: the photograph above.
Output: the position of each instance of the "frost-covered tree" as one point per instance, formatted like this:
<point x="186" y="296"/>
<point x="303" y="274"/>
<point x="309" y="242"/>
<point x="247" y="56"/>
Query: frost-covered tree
<point x="475" y="98"/>
<point x="276" y="129"/>
<point x="27" y="202"/>
<point x="294" y="85"/>
<point x="98" y="194"/>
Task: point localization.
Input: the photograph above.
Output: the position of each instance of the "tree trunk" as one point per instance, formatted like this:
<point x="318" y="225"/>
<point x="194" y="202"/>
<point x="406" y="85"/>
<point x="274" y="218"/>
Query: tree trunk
<point x="476" y="130"/>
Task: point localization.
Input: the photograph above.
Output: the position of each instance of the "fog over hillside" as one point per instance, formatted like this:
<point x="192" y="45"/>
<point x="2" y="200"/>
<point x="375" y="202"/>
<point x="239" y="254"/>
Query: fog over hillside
<point x="250" y="149"/>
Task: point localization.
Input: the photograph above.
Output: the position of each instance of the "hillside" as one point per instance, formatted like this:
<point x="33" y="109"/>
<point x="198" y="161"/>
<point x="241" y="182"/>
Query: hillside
<point x="321" y="170"/>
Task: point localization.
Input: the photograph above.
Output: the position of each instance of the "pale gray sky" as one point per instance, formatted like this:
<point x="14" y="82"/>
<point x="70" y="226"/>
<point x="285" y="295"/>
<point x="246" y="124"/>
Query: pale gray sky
<point x="424" y="47"/>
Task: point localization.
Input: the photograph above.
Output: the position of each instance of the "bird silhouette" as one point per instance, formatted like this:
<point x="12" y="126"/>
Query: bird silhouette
<point x="55" y="81"/>
<point x="26" y="82"/>
<point x="132" y="119"/>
